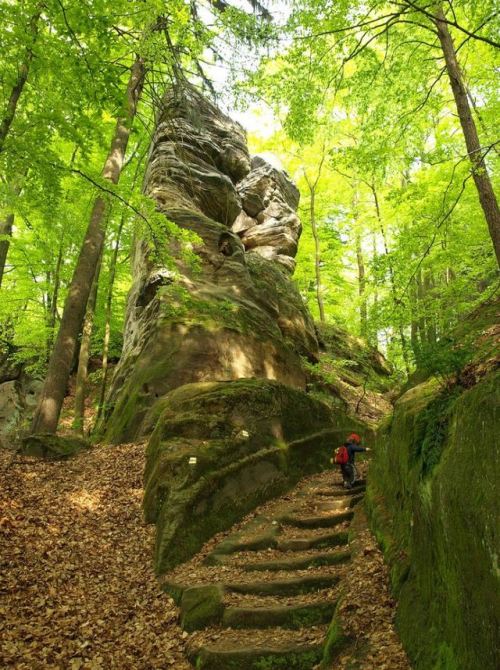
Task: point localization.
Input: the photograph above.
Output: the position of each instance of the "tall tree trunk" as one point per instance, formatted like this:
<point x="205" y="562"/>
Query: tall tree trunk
<point x="317" y="247"/>
<point x="107" y="326"/>
<point x="402" y="336"/>
<point x="422" y="332"/>
<point x="22" y="78"/>
<point x="49" y="407"/>
<point x="5" y="232"/>
<point x="363" y="310"/>
<point x="84" y="355"/>
<point x="415" y="344"/>
<point x="375" y="288"/>
<point x="480" y="174"/>
<point x="51" y="323"/>
<point x="317" y="254"/>
<point x="430" y="318"/>
<point x="7" y="224"/>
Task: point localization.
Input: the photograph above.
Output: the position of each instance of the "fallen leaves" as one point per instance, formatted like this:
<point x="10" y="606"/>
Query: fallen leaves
<point x="368" y="608"/>
<point x="77" y="590"/>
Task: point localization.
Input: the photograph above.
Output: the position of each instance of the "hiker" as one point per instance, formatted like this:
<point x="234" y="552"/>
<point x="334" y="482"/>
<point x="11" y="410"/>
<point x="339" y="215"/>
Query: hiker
<point x="345" y="456"/>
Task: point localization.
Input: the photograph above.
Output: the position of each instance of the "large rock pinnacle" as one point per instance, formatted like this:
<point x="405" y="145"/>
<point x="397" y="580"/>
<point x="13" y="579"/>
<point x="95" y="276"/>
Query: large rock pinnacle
<point x="237" y="315"/>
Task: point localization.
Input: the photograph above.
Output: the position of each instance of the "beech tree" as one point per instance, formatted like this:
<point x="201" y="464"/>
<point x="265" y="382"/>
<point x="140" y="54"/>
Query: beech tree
<point x="49" y="406"/>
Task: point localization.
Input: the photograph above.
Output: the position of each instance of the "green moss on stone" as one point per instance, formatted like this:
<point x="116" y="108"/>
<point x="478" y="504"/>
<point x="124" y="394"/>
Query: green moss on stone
<point x="201" y="606"/>
<point x="46" y="445"/>
<point x="432" y="500"/>
<point x="336" y="640"/>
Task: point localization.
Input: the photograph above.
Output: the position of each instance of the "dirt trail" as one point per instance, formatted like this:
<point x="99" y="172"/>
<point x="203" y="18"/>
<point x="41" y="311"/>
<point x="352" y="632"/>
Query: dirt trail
<point x="78" y="591"/>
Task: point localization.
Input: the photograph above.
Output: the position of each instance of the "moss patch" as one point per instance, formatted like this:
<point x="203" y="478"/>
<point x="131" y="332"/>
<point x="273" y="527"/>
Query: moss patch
<point x="336" y="640"/>
<point x="52" y="446"/>
<point x="201" y="606"/>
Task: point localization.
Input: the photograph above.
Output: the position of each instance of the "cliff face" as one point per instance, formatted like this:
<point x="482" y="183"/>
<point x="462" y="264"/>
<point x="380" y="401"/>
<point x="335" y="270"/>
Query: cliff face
<point x="238" y="315"/>
<point x="433" y="500"/>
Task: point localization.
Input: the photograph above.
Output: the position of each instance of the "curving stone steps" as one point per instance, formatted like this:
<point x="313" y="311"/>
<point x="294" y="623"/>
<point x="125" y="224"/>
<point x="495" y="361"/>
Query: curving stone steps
<point x="265" y="594"/>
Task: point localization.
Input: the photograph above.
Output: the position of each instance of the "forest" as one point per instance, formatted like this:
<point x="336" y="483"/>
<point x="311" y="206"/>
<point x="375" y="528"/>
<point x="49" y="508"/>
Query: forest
<point x="233" y="232"/>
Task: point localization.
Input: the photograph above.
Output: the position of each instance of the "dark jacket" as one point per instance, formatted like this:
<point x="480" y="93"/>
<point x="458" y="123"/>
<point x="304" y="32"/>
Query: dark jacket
<point x="352" y="449"/>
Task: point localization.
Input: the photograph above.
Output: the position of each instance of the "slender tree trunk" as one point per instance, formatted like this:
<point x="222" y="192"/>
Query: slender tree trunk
<point x="52" y="299"/>
<point x="415" y="344"/>
<point x="480" y="174"/>
<point x="402" y="336"/>
<point x="5" y="231"/>
<point x="49" y="407"/>
<point x="7" y="225"/>
<point x="363" y="310"/>
<point x="107" y="326"/>
<point x="84" y="355"/>
<point x="430" y="319"/>
<point x="422" y="333"/>
<point x="317" y="247"/>
<point x="109" y="305"/>
<point x="22" y="78"/>
<point x="317" y="254"/>
<point x="375" y="288"/>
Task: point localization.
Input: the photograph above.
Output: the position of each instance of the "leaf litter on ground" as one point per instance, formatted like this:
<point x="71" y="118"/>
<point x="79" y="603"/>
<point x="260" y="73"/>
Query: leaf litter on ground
<point x="77" y="588"/>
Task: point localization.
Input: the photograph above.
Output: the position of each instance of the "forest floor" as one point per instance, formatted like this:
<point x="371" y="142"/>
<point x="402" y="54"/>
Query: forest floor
<point x="77" y="589"/>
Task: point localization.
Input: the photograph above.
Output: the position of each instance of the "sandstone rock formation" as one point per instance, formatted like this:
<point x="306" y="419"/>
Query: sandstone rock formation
<point x="211" y="367"/>
<point x="433" y="502"/>
<point x="18" y="397"/>
<point x="239" y="314"/>
<point x="268" y="224"/>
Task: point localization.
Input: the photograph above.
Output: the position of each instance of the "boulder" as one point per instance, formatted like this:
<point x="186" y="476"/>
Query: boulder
<point x="55" y="447"/>
<point x="18" y="397"/>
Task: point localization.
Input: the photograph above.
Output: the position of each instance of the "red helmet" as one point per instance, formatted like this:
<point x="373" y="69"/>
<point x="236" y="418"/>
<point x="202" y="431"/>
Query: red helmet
<point x="353" y="437"/>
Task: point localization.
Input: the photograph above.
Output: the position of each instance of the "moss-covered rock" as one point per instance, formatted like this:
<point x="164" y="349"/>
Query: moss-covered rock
<point x="201" y="606"/>
<point x="252" y="440"/>
<point x="433" y="503"/>
<point x="336" y="640"/>
<point x="225" y="314"/>
<point x="45" y="445"/>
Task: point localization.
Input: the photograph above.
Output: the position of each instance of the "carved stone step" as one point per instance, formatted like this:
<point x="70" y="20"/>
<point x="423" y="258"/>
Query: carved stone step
<point x="230" y="654"/>
<point x="339" y="504"/>
<point x="285" y="616"/>
<point x="313" y="542"/>
<point x="339" y="492"/>
<point x="285" y="587"/>
<point x="301" y="562"/>
<point x="320" y="521"/>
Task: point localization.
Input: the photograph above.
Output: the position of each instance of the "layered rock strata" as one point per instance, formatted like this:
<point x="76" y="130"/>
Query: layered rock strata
<point x="236" y="313"/>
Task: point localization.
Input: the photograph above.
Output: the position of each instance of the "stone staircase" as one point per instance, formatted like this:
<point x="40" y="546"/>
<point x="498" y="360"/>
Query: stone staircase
<point x="262" y="597"/>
